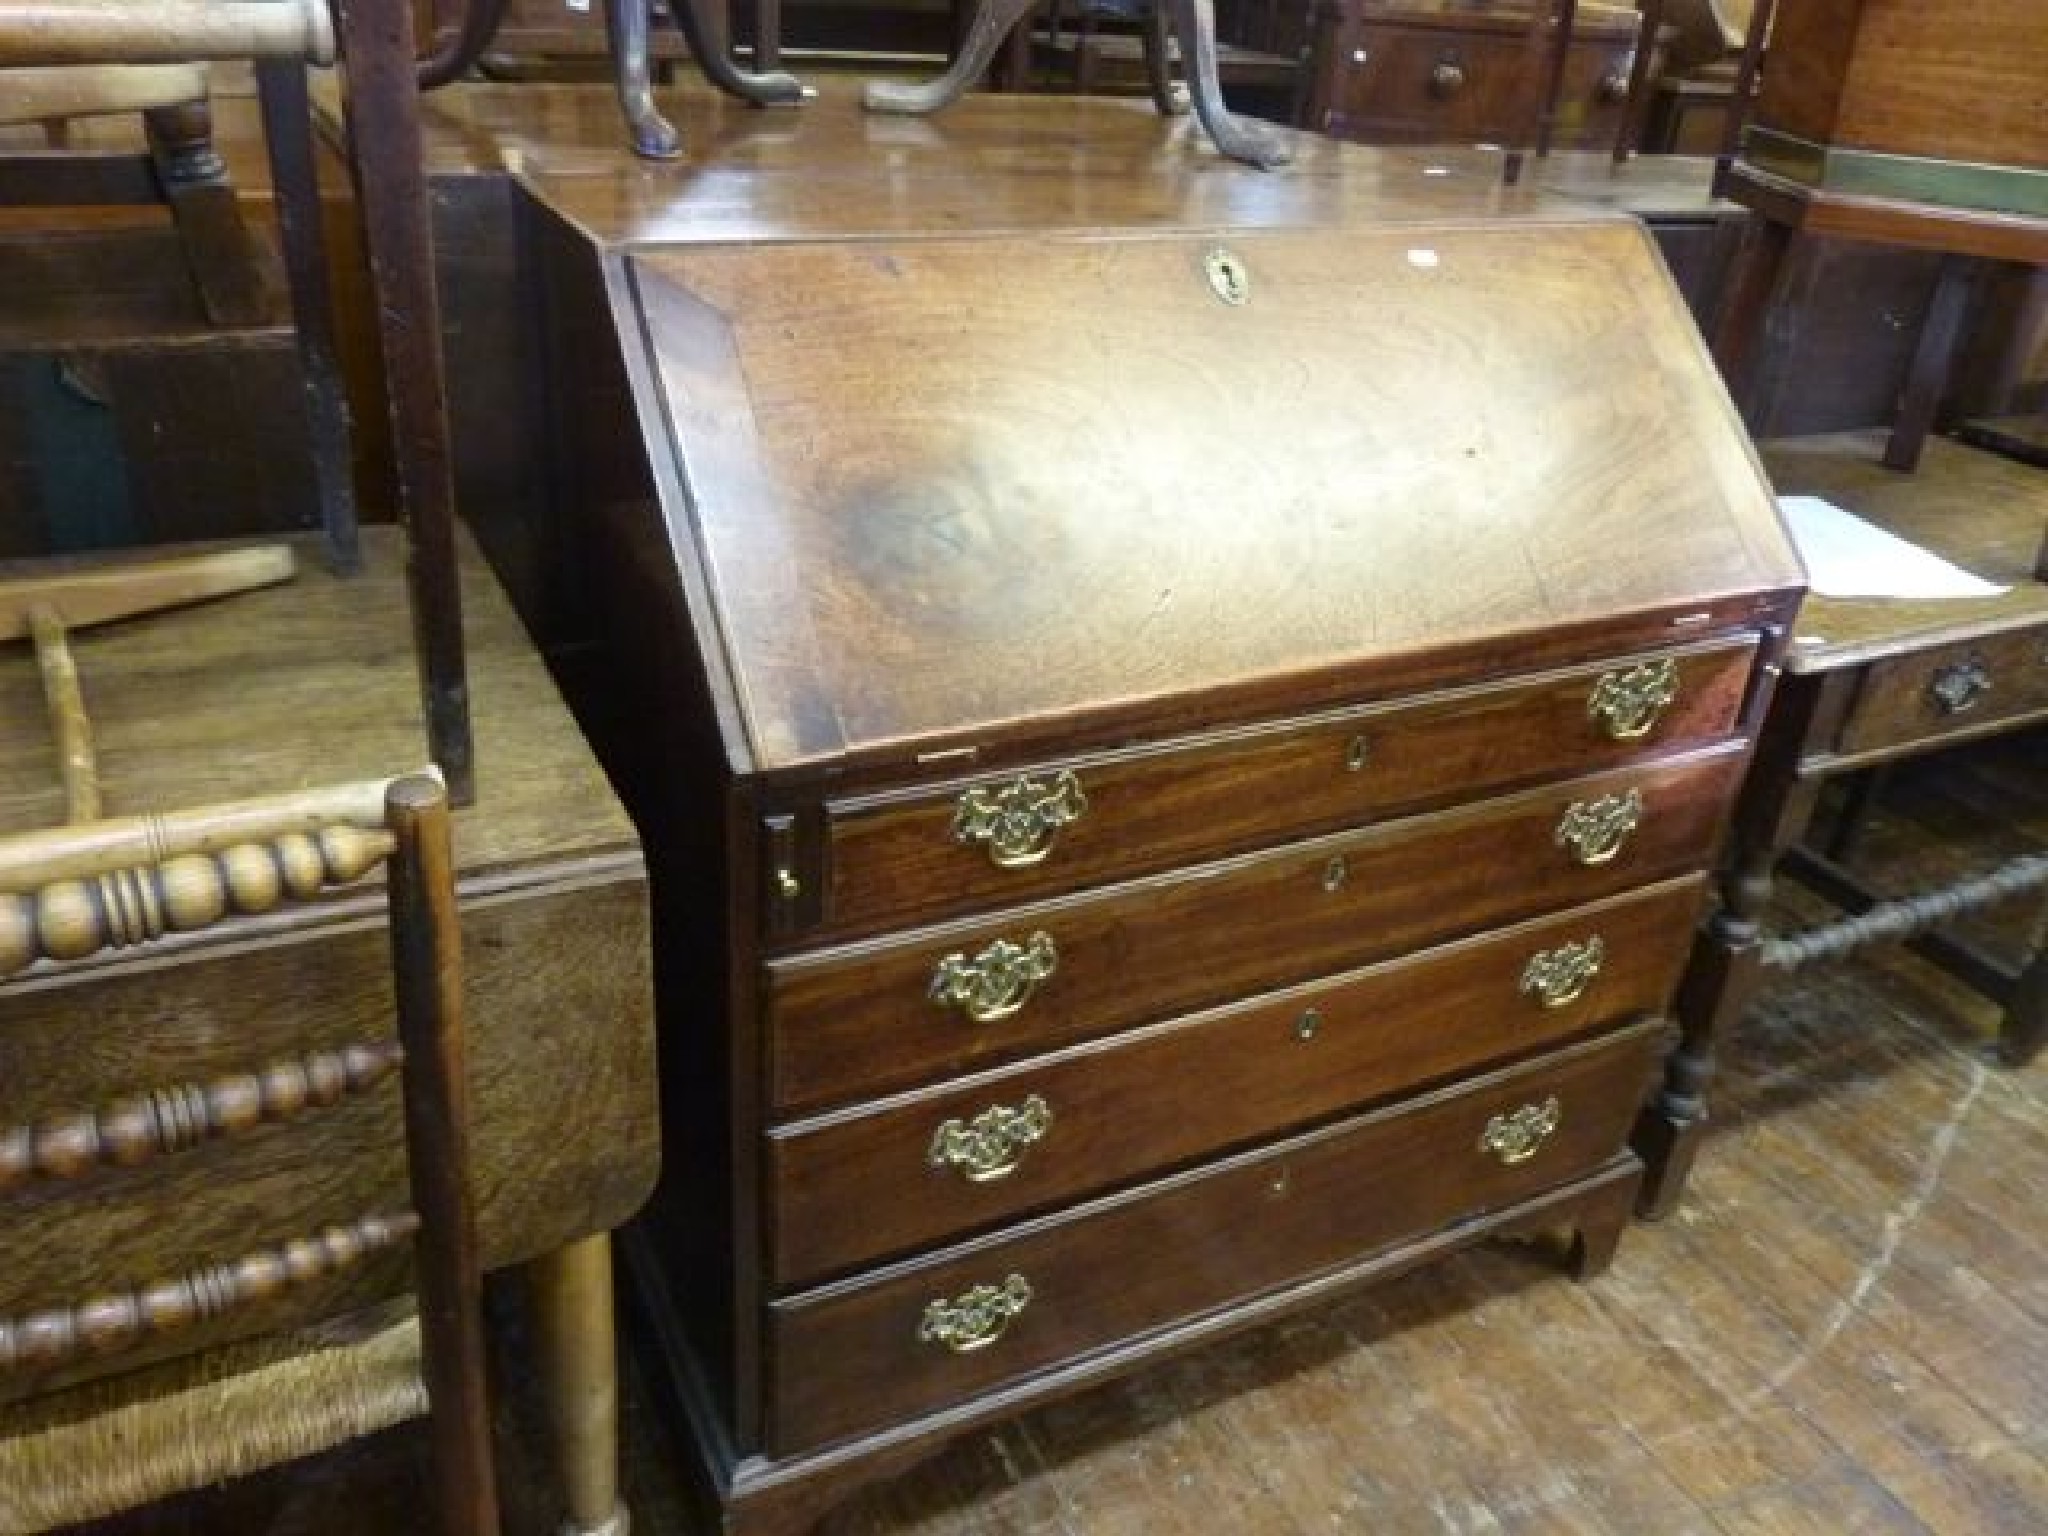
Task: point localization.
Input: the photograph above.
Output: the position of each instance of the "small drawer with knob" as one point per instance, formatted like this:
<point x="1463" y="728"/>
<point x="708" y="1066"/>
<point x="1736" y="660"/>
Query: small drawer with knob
<point x="1954" y="690"/>
<point x="931" y="852"/>
<point x="863" y="1019"/>
<point x="887" y="1346"/>
<point x="883" y="1179"/>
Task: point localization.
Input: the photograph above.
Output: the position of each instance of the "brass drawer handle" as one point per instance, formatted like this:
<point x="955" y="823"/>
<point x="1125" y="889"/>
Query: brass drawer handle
<point x="1628" y="704"/>
<point x="992" y="1144"/>
<point x="1960" y="688"/>
<point x="1593" y="831"/>
<point x="1559" y="977"/>
<point x="975" y="1320"/>
<point x="1447" y="77"/>
<point x="1518" y="1136"/>
<point x="996" y="982"/>
<point x="1018" y="821"/>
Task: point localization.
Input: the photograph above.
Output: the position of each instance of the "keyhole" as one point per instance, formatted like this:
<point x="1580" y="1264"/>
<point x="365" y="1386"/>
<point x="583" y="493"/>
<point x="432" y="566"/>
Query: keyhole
<point x="1358" y="754"/>
<point x="1306" y="1026"/>
<point x="1335" y="873"/>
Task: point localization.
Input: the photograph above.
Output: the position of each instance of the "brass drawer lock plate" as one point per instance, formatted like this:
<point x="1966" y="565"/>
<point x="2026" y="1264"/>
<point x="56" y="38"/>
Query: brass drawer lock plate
<point x="998" y="981"/>
<point x="1517" y="1137"/>
<point x="992" y="1144"/>
<point x="974" y="1320"/>
<point x="1593" y="831"/>
<point x="1557" y="978"/>
<point x="1628" y="704"/>
<point x="1018" y="821"/>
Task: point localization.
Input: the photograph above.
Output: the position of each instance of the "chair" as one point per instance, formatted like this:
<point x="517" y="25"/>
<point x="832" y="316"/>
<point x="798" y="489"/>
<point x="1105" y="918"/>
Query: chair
<point x="380" y="106"/>
<point x="175" y="1362"/>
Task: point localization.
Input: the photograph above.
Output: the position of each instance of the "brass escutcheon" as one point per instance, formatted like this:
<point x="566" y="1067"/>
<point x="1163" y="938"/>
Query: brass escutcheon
<point x="1357" y="754"/>
<point x="991" y="1145"/>
<point x="1628" y="704"/>
<point x="1227" y="276"/>
<point x="1559" y="977"/>
<point x="1515" y="1138"/>
<point x="1018" y="821"/>
<point x="996" y="982"/>
<point x="974" y="1320"/>
<point x="1594" y="830"/>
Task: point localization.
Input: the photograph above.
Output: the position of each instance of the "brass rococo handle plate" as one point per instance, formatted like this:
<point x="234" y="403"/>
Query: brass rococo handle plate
<point x="975" y="1319"/>
<point x="1557" y="978"/>
<point x="1627" y="704"/>
<point x="992" y="1144"/>
<point x="1017" y="822"/>
<point x="1518" y="1136"/>
<point x="998" y="981"/>
<point x="1593" y="831"/>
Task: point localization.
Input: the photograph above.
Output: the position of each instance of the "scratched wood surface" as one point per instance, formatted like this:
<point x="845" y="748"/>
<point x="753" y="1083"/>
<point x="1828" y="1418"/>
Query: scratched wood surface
<point x="1845" y="1330"/>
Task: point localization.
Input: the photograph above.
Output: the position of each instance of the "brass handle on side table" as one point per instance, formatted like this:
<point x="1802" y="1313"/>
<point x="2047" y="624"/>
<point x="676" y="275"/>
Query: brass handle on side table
<point x="1628" y="704"/>
<point x="1557" y="978"/>
<point x="1960" y="688"/>
<point x="1017" y="822"/>
<point x="1518" y="1136"/>
<point x="976" y="1319"/>
<point x="1593" y="831"/>
<point x="998" y="981"/>
<point x="992" y="1144"/>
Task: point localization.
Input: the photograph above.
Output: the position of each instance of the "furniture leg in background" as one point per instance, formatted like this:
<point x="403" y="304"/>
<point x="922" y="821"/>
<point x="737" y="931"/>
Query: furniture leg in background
<point x="571" y="1289"/>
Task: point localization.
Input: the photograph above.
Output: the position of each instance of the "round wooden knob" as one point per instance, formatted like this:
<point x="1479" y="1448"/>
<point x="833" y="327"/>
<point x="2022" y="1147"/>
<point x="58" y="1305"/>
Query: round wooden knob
<point x="1447" y="79"/>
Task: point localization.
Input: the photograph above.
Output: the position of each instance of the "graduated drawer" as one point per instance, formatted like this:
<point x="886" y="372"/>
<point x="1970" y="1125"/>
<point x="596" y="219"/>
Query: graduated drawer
<point x="860" y="1185"/>
<point x="931" y="852"/>
<point x="1954" y="690"/>
<point x="921" y="1336"/>
<point x="857" y="1020"/>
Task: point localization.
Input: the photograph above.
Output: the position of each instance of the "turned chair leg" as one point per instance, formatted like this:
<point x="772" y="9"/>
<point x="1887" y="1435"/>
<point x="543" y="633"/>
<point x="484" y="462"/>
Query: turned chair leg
<point x="578" y="1348"/>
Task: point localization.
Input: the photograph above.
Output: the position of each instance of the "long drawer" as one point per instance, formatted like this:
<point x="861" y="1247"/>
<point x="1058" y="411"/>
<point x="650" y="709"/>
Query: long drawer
<point x="853" y="1187"/>
<point x="1955" y="690"/>
<point x="928" y="853"/>
<point x="851" y="1022"/>
<point x="890" y="1346"/>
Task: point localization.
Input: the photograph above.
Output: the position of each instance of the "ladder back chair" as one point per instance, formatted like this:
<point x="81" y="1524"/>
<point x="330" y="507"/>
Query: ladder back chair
<point x="208" y="1324"/>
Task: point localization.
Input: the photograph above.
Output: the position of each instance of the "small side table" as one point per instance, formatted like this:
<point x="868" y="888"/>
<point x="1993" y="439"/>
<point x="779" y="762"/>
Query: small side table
<point x="1868" y="682"/>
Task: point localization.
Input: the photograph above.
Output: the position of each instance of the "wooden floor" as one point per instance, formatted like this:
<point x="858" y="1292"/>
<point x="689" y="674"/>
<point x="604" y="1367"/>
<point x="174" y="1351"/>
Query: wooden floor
<point x="1844" y="1331"/>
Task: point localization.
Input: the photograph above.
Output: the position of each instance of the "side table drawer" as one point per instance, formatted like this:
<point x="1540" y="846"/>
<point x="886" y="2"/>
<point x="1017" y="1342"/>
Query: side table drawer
<point x="851" y="1022"/>
<point x="1953" y="690"/>
<point x="888" y="1347"/>
<point x="850" y="1188"/>
<point x="1063" y="826"/>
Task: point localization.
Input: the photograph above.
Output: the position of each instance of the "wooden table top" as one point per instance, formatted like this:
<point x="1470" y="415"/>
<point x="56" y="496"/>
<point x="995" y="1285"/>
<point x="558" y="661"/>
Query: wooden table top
<point x="1985" y="513"/>
<point x="310" y="683"/>
<point x="990" y="162"/>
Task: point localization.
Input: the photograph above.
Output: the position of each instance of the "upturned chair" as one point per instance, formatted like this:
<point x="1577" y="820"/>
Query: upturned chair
<point x="183" y="1302"/>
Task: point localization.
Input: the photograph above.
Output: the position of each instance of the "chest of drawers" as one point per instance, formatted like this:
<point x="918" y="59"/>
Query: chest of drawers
<point x="1179" y="758"/>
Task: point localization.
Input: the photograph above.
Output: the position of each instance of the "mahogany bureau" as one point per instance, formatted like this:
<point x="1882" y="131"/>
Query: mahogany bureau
<point x="1179" y="718"/>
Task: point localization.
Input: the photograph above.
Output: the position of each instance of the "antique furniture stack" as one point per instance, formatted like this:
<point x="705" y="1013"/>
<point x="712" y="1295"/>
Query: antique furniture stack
<point x="1157" y="817"/>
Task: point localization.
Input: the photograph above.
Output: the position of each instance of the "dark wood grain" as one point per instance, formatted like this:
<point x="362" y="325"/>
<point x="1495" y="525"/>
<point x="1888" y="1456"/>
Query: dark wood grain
<point x="948" y="611"/>
<point x="849" y="1358"/>
<point x="1943" y="80"/>
<point x="898" y="858"/>
<point x="852" y="1021"/>
<point x="858" y="1186"/>
<point x="426" y="964"/>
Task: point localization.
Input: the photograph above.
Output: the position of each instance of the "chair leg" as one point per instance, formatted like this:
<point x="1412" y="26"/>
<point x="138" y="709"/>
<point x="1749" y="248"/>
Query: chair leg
<point x="1939" y="333"/>
<point x="294" y="179"/>
<point x="222" y="254"/>
<point x="572" y="1305"/>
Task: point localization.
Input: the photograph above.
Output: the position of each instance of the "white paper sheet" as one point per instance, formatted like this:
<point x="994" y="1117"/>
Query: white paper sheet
<point x="1848" y="557"/>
